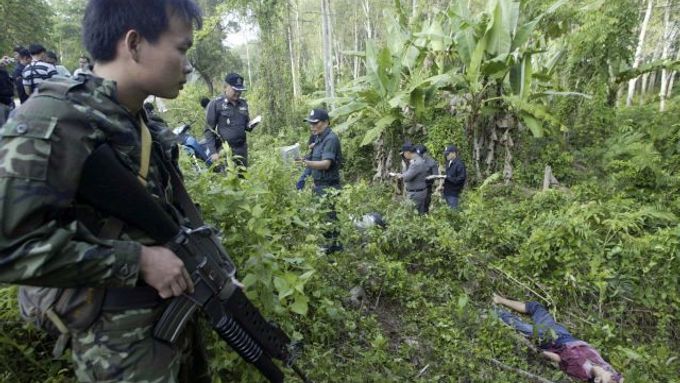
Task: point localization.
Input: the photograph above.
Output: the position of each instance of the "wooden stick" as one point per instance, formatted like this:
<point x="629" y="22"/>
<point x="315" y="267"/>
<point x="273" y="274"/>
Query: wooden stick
<point x="520" y="283"/>
<point x="526" y="374"/>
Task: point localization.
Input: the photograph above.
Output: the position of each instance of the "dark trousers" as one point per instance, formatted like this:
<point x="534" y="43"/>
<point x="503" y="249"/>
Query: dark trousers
<point x="545" y="328"/>
<point x="240" y="154"/>
<point x="321" y="190"/>
<point x="428" y="199"/>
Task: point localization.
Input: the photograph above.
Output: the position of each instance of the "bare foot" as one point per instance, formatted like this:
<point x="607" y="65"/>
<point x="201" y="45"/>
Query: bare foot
<point x="497" y="298"/>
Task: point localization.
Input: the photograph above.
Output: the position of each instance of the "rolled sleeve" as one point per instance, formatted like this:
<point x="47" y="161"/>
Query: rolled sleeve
<point x="331" y="150"/>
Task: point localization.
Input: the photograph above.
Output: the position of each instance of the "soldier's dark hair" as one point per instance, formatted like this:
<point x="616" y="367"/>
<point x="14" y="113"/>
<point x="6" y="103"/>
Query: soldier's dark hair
<point x="36" y="49"/>
<point x="24" y="53"/>
<point x="107" y="21"/>
<point x="18" y="49"/>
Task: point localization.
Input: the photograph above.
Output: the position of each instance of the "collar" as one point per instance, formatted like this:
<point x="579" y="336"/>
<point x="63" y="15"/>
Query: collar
<point x="321" y="136"/>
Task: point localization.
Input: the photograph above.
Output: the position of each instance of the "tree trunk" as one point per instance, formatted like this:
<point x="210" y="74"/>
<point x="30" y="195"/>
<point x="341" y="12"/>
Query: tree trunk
<point x="293" y="69"/>
<point x="245" y="40"/>
<point x="667" y="45"/>
<point x="671" y="80"/>
<point x="327" y="48"/>
<point x="366" y="5"/>
<point x="355" y="71"/>
<point x="639" y="50"/>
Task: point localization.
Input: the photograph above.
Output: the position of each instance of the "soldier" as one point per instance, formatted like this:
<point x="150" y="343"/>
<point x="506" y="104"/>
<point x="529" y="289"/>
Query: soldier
<point x="432" y="169"/>
<point x="227" y="120"/>
<point x="325" y="163"/>
<point x="49" y="237"/>
<point x="414" y="177"/>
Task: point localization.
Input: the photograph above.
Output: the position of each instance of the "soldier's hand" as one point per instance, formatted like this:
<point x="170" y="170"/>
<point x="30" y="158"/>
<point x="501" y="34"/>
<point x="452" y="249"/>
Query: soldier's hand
<point x="214" y="157"/>
<point x="164" y="271"/>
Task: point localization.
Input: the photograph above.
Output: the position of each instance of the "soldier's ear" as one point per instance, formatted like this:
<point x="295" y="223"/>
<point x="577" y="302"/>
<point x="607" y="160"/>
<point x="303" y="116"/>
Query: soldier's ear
<point x="132" y="43"/>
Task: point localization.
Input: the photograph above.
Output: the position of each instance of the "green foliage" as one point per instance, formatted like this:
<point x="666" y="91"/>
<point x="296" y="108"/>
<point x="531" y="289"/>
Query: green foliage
<point x="24" y="22"/>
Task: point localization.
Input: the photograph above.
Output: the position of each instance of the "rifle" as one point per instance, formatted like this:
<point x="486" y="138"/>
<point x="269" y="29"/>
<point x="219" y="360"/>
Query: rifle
<point x="108" y="186"/>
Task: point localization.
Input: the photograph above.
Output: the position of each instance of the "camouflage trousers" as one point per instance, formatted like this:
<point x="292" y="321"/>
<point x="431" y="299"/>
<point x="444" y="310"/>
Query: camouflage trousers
<point x="119" y="347"/>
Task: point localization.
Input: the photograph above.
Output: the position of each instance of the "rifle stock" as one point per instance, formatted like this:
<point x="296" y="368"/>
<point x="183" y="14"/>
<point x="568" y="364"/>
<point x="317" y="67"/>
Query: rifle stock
<point x="113" y="189"/>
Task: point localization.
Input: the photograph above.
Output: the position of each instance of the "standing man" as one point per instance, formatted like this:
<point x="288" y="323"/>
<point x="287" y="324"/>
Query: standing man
<point x="432" y="169"/>
<point x="22" y="58"/>
<point x="325" y="163"/>
<point x="51" y="57"/>
<point x="227" y="120"/>
<point x="50" y="237"/>
<point x="38" y="70"/>
<point x="414" y="177"/>
<point x="83" y="66"/>
<point x="6" y="90"/>
<point x="454" y="180"/>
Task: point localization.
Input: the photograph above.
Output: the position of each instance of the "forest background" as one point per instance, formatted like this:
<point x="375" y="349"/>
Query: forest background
<point x="583" y="86"/>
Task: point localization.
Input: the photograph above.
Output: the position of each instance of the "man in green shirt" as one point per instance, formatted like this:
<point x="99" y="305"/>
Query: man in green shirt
<point x="51" y="237"/>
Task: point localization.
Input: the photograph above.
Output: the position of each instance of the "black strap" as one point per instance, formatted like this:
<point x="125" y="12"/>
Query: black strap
<point x="182" y="197"/>
<point x="128" y="298"/>
<point x="415" y="190"/>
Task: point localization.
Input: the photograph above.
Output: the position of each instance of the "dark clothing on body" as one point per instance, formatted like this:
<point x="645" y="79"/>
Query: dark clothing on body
<point x="454" y="181"/>
<point x="18" y="82"/>
<point x="228" y="122"/>
<point x="327" y="147"/>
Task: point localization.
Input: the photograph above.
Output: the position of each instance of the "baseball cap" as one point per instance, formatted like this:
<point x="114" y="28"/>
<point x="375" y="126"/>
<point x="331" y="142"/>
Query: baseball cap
<point x="450" y="149"/>
<point x="317" y="115"/>
<point x="408" y="147"/>
<point x="235" y="80"/>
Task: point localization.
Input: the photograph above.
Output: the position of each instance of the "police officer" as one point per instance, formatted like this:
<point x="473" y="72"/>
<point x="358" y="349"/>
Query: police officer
<point x="454" y="180"/>
<point x="51" y="237"/>
<point x="325" y="163"/>
<point x="414" y="177"/>
<point x="432" y="169"/>
<point x="227" y="120"/>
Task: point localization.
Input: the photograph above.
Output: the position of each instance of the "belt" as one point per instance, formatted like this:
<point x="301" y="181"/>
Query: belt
<point x="127" y="298"/>
<point x="415" y="190"/>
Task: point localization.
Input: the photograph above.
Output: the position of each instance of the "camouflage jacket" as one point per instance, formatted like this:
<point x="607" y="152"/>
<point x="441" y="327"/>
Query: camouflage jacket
<point x="47" y="236"/>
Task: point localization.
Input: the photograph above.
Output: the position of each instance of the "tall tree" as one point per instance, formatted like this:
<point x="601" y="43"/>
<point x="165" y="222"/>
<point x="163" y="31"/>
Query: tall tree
<point x="24" y="22"/>
<point x="326" y="29"/>
<point x="670" y="31"/>
<point x="638" y="52"/>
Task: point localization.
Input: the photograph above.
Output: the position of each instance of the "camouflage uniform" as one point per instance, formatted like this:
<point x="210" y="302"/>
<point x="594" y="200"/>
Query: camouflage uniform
<point x="49" y="238"/>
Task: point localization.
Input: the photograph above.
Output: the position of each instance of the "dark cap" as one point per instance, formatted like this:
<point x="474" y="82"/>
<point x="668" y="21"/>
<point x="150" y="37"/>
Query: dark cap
<point x="450" y="149"/>
<point x="317" y="115"/>
<point x="420" y="149"/>
<point x="408" y="147"/>
<point x="236" y="81"/>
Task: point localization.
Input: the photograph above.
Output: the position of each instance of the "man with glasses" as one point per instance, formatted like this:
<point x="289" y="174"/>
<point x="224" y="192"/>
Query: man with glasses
<point x="228" y="120"/>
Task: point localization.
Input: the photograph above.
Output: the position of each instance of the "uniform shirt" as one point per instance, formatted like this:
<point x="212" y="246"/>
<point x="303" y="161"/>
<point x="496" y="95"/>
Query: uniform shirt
<point x="414" y="177"/>
<point x="327" y="147"/>
<point x="455" y="177"/>
<point x="36" y="72"/>
<point x="577" y="359"/>
<point x="432" y="168"/>
<point x="47" y="236"/>
<point x="228" y="120"/>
